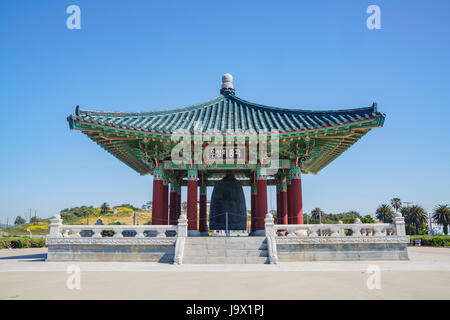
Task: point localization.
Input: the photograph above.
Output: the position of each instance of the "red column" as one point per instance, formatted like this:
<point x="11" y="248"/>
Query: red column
<point x="157" y="205"/>
<point x="192" y="191"/>
<point x="289" y="201"/>
<point x="278" y="204"/>
<point x="297" y="201"/>
<point x="203" y="228"/>
<point x="165" y="203"/>
<point x="253" y="208"/>
<point x="283" y="203"/>
<point x="261" y="201"/>
<point x="173" y="216"/>
<point x="179" y="201"/>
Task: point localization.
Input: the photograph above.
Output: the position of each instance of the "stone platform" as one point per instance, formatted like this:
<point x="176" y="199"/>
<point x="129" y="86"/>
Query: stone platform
<point x="278" y="243"/>
<point x="296" y="252"/>
<point x="114" y="250"/>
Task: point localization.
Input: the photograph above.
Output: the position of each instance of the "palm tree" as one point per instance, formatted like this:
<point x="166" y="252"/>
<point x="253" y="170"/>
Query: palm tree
<point x="441" y="215"/>
<point x="415" y="216"/>
<point x="317" y="213"/>
<point x="396" y="203"/>
<point x="104" y="207"/>
<point x="384" y="213"/>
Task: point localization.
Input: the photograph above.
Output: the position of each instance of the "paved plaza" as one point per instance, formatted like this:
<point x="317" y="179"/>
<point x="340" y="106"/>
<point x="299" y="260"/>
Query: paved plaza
<point x="25" y="275"/>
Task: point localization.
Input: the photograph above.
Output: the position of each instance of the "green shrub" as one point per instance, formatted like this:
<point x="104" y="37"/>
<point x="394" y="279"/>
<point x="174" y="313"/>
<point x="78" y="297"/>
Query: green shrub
<point x="432" y="241"/>
<point x="4" y="244"/>
<point x="16" y="242"/>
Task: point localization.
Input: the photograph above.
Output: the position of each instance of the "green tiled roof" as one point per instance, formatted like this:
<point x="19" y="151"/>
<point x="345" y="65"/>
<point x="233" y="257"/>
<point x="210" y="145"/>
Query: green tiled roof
<point x="307" y="139"/>
<point x="224" y="113"/>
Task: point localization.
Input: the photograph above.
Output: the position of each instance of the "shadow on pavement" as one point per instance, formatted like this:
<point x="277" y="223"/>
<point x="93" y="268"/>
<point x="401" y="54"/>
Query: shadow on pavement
<point x="32" y="257"/>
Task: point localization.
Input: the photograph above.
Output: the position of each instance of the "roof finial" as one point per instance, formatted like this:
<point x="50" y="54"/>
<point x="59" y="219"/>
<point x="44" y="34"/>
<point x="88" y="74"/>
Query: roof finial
<point x="227" y="84"/>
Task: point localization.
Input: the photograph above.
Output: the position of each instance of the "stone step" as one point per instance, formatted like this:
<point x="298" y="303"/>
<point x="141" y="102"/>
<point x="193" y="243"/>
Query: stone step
<point x="224" y="239"/>
<point x="225" y="250"/>
<point x="224" y="253"/>
<point x="236" y="246"/>
<point x="226" y="243"/>
<point x="225" y="260"/>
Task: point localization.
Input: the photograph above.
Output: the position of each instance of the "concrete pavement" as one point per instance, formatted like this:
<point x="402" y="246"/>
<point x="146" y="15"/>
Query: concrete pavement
<point x="25" y="275"/>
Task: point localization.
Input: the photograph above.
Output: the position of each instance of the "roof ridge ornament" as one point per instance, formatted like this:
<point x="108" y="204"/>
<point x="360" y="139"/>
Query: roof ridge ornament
<point x="227" y="84"/>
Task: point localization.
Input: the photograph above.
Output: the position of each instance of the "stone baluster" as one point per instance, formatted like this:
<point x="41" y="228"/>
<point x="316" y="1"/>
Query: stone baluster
<point x="378" y="231"/>
<point x="76" y="233"/>
<point x="335" y="231"/>
<point x="313" y="231"/>
<point x="364" y="232"/>
<point x="341" y="229"/>
<point x="97" y="233"/>
<point x="118" y="233"/>
<point x="161" y="233"/>
<point x="140" y="233"/>
<point x="356" y="229"/>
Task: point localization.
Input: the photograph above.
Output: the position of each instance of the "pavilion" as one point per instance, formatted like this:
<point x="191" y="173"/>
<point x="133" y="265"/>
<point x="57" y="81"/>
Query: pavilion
<point x="298" y="142"/>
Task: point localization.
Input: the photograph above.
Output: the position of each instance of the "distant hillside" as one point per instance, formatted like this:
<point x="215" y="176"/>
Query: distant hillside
<point x="41" y="228"/>
<point x="142" y="217"/>
<point x="85" y="216"/>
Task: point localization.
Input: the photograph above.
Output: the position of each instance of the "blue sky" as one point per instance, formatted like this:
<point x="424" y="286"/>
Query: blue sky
<point x="150" y="55"/>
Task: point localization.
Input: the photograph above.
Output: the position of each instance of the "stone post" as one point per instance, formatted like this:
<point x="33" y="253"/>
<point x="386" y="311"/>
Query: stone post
<point x="182" y="230"/>
<point x="270" y="236"/>
<point x="55" y="227"/>
<point x="399" y="224"/>
<point x="269" y="225"/>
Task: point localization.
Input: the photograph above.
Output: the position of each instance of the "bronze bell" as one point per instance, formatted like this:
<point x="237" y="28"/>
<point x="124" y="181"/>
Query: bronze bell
<point x="228" y="206"/>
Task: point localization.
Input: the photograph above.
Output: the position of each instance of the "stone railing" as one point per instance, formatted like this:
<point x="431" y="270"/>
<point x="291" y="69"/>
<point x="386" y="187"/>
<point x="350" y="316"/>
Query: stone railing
<point x="333" y="233"/>
<point x="357" y="229"/>
<point x="58" y="230"/>
<point x="121" y="235"/>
